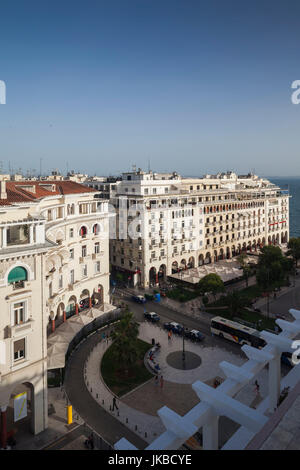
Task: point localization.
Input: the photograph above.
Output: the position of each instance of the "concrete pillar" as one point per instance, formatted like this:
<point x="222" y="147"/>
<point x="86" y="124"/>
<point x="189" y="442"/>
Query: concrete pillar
<point x="3" y="427"/>
<point x="76" y="309"/>
<point x="90" y="302"/>
<point x="31" y="238"/>
<point x="4" y="237"/>
<point x="53" y="325"/>
<point x="64" y="316"/>
<point x="156" y="278"/>
<point x="274" y="382"/>
<point x="210" y="432"/>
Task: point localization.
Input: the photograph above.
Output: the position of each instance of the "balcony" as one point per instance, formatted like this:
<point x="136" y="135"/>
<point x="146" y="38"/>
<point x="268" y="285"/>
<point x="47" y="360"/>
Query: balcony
<point x="21" y="329"/>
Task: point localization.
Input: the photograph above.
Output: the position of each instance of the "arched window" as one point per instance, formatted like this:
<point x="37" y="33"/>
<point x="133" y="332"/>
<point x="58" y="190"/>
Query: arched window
<point x="83" y="231"/>
<point x="17" y="276"/>
<point x="96" y="229"/>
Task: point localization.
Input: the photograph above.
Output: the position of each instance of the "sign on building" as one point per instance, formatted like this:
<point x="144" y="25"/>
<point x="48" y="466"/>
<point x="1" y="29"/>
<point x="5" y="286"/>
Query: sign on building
<point x="20" y="406"/>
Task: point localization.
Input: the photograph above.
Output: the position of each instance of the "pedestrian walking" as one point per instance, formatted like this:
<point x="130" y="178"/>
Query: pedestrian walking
<point x="156" y="380"/>
<point x="114" y="404"/>
<point x="256" y="387"/>
<point x="161" y="382"/>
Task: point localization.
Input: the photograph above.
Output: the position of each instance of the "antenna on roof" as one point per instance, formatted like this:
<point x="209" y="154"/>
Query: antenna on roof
<point x="148" y="165"/>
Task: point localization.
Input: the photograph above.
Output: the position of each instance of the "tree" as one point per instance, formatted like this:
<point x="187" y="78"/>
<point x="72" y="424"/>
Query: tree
<point x="294" y="249"/>
<point x="212" y="284"/>
<point x="272" y="267"/>
<point x="236" y="301"/>
<point x="125" y="340"/>
<point x="245" y="267"/>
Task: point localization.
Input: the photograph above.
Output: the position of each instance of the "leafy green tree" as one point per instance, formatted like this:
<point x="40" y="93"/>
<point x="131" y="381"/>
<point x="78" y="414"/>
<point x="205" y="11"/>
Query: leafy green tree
<point x="212" y="284"/>
<point x="235" y="301"/>
<point x="272" y="267"/>
<point x="245" y="267"/>
<point x="125" y="337"/>
<point x="294" y="249"/>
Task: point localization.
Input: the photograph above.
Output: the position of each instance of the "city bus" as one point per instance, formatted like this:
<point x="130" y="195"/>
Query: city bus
<point x="236" y="332"/>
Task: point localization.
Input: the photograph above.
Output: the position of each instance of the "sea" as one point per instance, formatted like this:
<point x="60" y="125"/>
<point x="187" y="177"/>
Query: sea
<point x="293" y="185"/>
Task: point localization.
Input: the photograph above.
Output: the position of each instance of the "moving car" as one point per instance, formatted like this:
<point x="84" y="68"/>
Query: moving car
<point x="151" y="316"/>
<point x="139" y="299"/>
<point x="194" y="335"/>
<point x="175" y="327"/>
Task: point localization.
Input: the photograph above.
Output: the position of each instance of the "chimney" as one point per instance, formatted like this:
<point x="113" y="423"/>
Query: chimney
<point x="3" y="194"/>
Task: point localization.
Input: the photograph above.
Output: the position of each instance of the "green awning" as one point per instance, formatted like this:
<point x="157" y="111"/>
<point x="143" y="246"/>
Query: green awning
<point x="17" y="274"/>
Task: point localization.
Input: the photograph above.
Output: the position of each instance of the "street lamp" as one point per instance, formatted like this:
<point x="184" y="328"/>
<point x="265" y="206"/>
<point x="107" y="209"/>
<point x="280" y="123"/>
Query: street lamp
<point x="183" y="338"/>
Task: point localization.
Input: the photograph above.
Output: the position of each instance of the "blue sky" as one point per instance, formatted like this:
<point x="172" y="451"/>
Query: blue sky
<point x="191" y="86"/>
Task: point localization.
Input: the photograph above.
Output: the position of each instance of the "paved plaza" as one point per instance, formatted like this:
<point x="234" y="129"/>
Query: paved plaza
<point x="137" y="410"/>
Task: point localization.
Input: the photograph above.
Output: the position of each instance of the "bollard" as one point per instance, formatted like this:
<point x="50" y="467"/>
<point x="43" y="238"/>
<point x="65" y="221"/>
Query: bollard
<point x="118" y="414"/>
<point x="145" y="434"/>
<point x="91" y="390"/>
<point x="126" y="420"/>
<point x="135" y="427"/>
<point x="97" y="395"/>
<point x="69" y="414"/>
<point x="102" y="402"/>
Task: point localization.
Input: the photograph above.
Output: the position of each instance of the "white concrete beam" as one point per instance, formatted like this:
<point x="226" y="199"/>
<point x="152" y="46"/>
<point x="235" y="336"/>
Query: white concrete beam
<point x="291" y="327"/>
<point x="295" y="313"/>
<point x="223" y="405"/>
<point x="277" y="341"/>
<point x="179" y="425"/>
<point x="235" y="372"/>
<point x="123" y="444"/>
<point x="255" y="354"/>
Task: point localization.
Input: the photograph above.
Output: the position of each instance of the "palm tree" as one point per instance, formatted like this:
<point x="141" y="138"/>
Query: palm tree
<point x="245" y="267"/>
<point x="125" y="335"/>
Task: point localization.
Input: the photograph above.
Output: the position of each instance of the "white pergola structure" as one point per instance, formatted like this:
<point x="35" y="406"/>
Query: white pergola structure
<point x="220" y="402"/>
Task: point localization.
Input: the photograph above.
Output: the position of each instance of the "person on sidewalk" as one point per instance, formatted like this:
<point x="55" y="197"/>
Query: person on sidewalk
<point x="256" y="387"/>
<point x="161" y="382"/>
<point x="114" y="404"/>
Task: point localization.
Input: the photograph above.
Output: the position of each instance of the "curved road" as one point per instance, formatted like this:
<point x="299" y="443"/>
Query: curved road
<point x="108" y="427"/>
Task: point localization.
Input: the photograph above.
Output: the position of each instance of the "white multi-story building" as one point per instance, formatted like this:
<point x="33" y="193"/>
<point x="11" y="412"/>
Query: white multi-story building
<point x="54" y="254"/>
<point x="166" y="223"/>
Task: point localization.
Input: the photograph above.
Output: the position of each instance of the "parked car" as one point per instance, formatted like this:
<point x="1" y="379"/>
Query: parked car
<point x="152" y="316"/>
<point x="139" y="299"/>
<point x="194" y="335"/>
<point x="175" y="327"/>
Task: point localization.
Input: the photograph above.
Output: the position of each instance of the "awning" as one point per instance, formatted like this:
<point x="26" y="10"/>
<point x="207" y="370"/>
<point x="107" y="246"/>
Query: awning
<point x="17" y="274"/>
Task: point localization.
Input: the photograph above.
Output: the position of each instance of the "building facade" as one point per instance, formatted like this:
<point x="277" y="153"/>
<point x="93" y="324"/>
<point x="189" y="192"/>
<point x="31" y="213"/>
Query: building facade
<point x="166" y="223"/>
<point x="54" y="256"/>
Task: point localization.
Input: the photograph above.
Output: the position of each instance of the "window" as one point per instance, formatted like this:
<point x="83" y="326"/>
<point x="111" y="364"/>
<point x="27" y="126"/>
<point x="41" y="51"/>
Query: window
<point x="71" y="253"/>
<point x="72" y="276"/>
<point x="97" y="248"/>
<point x="19" y="313"/>
<point x="71" y="233"/>
<point x="19" y="349"/>
<point x="60" y="282"/>
<point x="146" y="191"/>
<point x="97" y="267"/>
<point x="84" y="270"/>
<point x="96" y="229"/>
<point x="83" y="251"/>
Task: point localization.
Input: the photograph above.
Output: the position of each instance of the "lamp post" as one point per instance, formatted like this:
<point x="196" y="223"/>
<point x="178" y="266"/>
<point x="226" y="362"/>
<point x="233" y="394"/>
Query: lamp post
<point x="183" y="350"/>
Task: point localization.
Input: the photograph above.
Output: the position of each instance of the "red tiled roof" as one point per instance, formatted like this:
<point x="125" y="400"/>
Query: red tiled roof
<point x="17" y="192"/>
